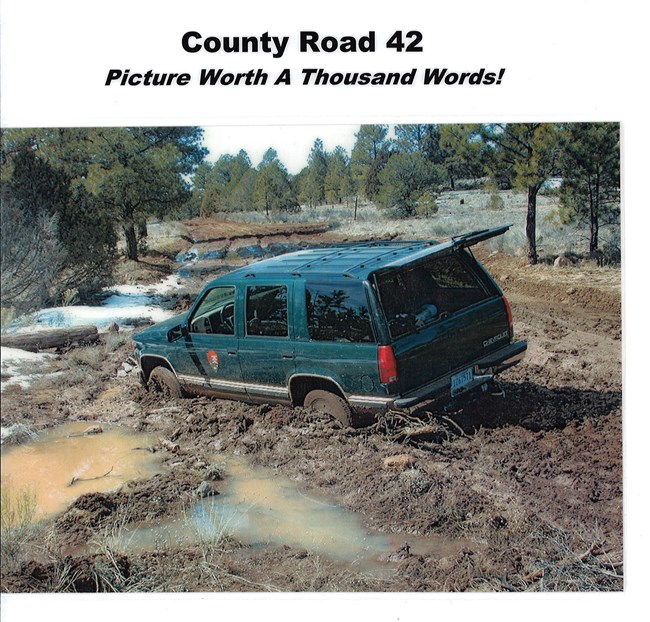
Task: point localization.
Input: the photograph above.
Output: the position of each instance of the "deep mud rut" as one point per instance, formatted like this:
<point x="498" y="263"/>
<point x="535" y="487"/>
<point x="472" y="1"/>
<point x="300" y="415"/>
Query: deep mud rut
<point x="526" y="488"/>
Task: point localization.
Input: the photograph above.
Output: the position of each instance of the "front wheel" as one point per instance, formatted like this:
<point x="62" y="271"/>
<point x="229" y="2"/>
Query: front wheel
<point x="331" y="404"/>
<point x="163" y="380"/>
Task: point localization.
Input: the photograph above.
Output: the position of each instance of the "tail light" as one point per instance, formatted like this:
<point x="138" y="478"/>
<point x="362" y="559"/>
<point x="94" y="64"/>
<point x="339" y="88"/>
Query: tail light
<point x="387" y="365"/>
<point x="508" y="311"/>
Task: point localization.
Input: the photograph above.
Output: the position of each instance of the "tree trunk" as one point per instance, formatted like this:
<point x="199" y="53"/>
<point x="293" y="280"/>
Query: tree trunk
<point x="131" y="242"/>
<point x="593" y="238"/>
<point x="45" y="339"/>
<point x="142" y="229"/>
<point x="531" y="217"/>
<point x="594" y="198"/>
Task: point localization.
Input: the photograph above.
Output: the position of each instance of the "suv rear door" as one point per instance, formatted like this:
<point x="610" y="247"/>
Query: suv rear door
<point x="266" y="349"/>
<point x="442" y="310"/>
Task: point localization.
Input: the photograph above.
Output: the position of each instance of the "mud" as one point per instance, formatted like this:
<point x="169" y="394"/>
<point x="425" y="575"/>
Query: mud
<point x="530" y="483"/>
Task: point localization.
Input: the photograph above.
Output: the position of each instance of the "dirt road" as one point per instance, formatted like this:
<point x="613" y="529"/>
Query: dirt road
<point x="525" y="490"/>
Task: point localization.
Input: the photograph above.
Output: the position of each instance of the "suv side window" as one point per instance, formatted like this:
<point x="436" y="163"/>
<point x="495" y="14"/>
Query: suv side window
<point x="216" y="312"/>
<point x="266" y="311"/>
<point x="338" y="312"/>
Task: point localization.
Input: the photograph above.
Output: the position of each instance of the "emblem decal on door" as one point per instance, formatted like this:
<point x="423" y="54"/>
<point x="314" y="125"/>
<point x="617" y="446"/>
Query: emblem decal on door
<point x="213" y="359"/>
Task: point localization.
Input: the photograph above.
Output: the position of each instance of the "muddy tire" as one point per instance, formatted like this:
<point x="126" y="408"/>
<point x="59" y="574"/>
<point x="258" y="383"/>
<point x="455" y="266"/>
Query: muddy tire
<point x="326" y="402"/>
<point x="163" y="380"/>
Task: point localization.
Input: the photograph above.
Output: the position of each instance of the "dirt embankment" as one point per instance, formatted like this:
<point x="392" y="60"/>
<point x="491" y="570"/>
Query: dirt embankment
<point x="529" y="485"/>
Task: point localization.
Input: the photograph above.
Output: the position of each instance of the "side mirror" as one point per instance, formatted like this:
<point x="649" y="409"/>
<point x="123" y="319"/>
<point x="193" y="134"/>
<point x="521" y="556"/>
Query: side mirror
<point x="177" y="332"/>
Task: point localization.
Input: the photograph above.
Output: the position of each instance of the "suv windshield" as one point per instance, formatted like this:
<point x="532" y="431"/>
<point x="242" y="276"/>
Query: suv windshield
<point x="416" y="296"/>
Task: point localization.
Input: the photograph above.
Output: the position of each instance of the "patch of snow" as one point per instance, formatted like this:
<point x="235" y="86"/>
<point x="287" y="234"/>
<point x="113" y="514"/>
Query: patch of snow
<point x="12" y="355"/>
<point x="125" y="305"/>
<point x="189" y="256"/>
<point x="121" y="310"/>
<point x="15" y="363"/>
<point x="168" y="285"/>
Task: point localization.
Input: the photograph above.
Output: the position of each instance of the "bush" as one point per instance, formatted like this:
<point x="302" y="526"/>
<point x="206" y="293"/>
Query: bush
<point x="495" y="202"/>
<point x="31" y="255"/>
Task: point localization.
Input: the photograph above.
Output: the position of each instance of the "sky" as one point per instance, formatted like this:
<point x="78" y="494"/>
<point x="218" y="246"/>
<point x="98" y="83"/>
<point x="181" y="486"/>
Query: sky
<point x="292" y="142"/>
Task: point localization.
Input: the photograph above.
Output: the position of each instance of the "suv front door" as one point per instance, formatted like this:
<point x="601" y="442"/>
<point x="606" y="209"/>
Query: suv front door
<point x="213" y="346"/>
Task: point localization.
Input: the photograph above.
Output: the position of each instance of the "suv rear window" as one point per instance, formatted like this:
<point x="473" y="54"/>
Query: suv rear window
<point x="416" y="296"/>
<point x="338" y="312"/>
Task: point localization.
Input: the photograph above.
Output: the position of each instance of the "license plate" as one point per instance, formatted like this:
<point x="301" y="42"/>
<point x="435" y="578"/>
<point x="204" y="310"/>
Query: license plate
<point x="459" y="380"/>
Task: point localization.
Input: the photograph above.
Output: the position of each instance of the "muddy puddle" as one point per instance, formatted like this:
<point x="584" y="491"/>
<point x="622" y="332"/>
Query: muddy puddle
<point x="74" y="459"/>
<point x="254" y="505"/>
<point x="257" y="507"/>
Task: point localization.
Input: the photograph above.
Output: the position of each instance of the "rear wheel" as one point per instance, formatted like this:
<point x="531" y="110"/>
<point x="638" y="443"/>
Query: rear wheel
<point x="331" y="404"/>
<point x="163" y="380"/>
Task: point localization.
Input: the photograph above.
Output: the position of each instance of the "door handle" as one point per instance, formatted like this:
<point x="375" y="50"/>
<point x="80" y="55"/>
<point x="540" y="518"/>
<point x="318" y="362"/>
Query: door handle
<point x="287" y="355"/>
<point x="232" y="352"/>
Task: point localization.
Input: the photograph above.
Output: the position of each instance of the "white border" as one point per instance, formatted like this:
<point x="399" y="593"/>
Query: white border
<point x="564" y="59"/>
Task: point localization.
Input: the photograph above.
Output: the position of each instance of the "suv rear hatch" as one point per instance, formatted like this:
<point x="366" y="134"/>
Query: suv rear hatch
<point x="443" y="312"/>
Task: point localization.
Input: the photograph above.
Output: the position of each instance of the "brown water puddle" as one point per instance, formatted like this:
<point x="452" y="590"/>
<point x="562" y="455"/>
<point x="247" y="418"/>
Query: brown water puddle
<point x="255" y="505"/>
<point x="65" y="463"/>
<point x="259" y="508"/>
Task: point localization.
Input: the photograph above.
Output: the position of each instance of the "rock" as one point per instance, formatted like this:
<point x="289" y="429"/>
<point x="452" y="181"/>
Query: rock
<point x="213" y="473"/>
<point x="400" y="461"/>
<point x="127" y="367"/>
<point x="121" y="373"/>
<point x="169" y="445"/>
<point x="206" y="489"/>
<point x="562" y="261"/>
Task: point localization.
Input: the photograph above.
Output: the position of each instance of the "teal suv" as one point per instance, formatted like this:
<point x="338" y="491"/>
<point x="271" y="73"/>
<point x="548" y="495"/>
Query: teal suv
<point x="346" y="329"/>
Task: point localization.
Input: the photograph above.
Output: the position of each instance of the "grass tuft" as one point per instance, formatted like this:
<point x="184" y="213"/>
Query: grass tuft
<point x="17" y="522"/>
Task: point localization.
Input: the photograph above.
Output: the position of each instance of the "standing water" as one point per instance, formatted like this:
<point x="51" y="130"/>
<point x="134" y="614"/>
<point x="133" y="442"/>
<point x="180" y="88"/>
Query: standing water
<point x="259" y="508"/>
<point x="255" y="505"/>
<point x="75" y="459"/>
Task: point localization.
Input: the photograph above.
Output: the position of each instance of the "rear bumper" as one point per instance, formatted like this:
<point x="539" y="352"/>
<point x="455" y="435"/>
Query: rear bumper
<point x="503" y="358"/>
<point x="484" y="369"/>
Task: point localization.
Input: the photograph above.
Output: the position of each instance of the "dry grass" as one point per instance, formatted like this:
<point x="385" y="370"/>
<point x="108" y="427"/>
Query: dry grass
<point x="458" y="212"/>
<point x="86" y="357"/>
<point x="577" y="561"/>
<point x="17" y="523"/>
<point x="114" y="341"/>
